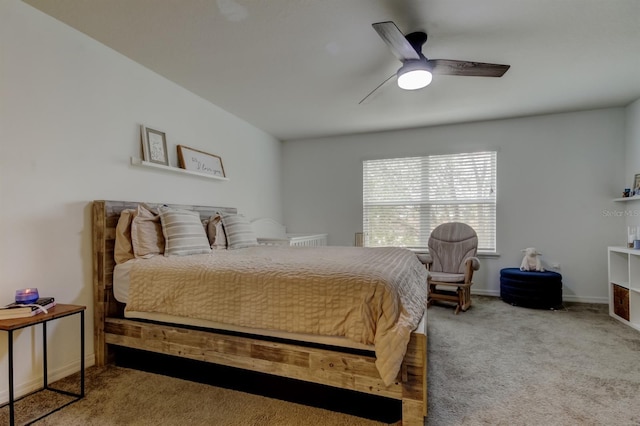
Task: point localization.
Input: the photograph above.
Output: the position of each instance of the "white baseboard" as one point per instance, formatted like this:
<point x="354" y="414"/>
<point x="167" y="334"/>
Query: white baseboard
<point x="565" y="298"/>
<point x="481" y="292"/>
<point x="582" y="299"/>
<point x="35" y="383"/>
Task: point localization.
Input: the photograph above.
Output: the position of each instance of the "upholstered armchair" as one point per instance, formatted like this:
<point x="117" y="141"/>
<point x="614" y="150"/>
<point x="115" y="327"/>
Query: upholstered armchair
<point x="451" y="262"/>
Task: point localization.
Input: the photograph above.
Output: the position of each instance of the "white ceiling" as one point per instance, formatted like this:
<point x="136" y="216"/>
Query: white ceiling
<point x="298" y="68"/>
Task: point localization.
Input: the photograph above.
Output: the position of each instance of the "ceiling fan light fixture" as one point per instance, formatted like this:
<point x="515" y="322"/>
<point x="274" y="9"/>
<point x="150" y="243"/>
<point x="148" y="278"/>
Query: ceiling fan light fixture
<point x="414" y="75"/>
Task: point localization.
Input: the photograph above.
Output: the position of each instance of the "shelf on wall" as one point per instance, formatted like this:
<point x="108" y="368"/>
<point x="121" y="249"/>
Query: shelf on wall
<point x="634" y="198"/>
<point x="139" y="162"/>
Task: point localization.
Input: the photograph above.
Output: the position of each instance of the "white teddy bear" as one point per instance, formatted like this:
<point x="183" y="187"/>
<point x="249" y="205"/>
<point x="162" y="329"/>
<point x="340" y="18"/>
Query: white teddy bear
<point x="531" y="261"/>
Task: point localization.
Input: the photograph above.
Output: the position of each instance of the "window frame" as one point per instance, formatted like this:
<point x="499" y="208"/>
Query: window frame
<point x="485" y="177"/>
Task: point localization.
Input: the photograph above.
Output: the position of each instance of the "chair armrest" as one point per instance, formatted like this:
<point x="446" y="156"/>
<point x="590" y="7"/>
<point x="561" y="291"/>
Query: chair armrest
<point x="471" y="264"/>
<point x="475" y="262"/>
<point x="425" y="258"/>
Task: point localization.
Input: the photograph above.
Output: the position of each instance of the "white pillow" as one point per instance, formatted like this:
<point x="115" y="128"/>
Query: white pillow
<point x="238" y="231"/>
<point x="183" y="232"/>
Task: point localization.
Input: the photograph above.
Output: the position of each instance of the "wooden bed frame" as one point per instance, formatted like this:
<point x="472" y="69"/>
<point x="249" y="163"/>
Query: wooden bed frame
<point x="324" y="365"/>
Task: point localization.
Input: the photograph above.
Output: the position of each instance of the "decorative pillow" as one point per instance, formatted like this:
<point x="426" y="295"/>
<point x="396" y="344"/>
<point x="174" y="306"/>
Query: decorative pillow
<point x="215" y="233"/>
<point x="221" y="238"/>
<point x="183" y="232"/>
<point x="238" y="231"/>
<point x="146" y="233"/>
<point x="123" y="249"/>
<point x="210" y="228"/>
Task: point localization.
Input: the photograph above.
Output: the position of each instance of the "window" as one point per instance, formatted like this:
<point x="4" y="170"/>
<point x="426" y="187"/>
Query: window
<point x="404" y="199"/>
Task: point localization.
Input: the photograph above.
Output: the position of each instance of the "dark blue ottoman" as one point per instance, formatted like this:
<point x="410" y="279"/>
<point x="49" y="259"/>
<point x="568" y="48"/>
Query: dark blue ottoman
<point x="531" y="289"/>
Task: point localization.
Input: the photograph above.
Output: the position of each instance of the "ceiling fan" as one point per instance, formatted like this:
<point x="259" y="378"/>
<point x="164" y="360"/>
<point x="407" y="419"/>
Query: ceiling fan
<point x="416" y="71"/>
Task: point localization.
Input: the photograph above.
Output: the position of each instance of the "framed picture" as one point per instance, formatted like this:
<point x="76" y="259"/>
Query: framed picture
<point x="154" y="146"/>
<point x="636" y="182"/>
<point x="198" y="161"/>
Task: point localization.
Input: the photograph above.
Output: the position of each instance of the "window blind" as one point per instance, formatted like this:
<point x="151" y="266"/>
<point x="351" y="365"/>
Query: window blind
<point x="404" y="199"/>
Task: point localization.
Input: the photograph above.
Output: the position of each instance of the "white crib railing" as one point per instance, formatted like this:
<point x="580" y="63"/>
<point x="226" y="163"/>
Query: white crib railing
<point x="302" y="240"/>
<point x="272" y="233"/>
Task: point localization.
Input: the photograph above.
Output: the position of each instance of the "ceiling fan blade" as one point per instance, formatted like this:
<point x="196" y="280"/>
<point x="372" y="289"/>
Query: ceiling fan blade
<point x="398" y="43"/>
<point x="379" y="86"/>
<point x="467" y="68"/>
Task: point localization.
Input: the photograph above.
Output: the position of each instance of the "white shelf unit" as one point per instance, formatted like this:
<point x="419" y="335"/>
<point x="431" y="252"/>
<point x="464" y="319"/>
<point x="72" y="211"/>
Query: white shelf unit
<point x="139" y="162"/>
<point x="624" y="285"/>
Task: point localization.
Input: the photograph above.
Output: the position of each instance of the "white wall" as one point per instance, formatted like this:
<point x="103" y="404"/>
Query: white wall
<point x="69" y="114"/>
<point x="631" y="209"/>
<point x="557" y="175"/>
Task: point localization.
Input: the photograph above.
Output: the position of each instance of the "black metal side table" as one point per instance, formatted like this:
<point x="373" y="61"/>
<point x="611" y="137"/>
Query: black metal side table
<point x="11" y="325"/>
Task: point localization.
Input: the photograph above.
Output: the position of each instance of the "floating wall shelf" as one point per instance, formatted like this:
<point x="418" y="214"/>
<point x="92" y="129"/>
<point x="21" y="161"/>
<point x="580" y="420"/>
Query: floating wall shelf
<point x="634" y="198"/>
<point x="139" y="162"/>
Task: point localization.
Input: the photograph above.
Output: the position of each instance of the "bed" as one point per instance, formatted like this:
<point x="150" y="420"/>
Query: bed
<point x="334" y="362"/>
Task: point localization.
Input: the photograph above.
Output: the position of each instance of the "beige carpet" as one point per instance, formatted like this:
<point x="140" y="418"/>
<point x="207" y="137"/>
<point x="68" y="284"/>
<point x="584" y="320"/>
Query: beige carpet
<point x="493" y="365"/>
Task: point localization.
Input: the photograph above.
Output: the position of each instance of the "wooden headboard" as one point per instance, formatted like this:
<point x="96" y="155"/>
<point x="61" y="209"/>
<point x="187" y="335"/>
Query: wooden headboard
<point x="105" y="220"/>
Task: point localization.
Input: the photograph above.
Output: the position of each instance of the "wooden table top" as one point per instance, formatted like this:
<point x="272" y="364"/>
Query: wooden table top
<point x="60" y="310"/>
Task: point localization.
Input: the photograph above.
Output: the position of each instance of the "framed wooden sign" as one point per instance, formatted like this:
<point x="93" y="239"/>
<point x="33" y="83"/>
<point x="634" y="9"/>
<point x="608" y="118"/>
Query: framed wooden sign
<point x="199" y="161"/>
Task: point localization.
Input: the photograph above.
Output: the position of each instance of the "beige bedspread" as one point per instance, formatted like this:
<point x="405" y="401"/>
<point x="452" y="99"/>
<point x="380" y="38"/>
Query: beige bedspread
<point x="369" y="295"/>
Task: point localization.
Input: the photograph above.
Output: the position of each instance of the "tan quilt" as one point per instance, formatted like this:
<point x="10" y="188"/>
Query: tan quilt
<point x="374" y="296"/>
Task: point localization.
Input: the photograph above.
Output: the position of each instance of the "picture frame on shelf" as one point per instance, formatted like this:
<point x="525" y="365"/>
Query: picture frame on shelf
<point x="636" y="185"/>
<point x="199" y="161"/>
<point x="154" y="146"/>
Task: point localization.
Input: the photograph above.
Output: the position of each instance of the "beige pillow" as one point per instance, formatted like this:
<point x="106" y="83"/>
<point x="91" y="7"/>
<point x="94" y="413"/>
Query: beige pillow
<point x="215" y="233"/>
<point x="210" y="229"/>
<point x="123" y="249"/>
<point x="146" y="233"/>
<point x="221" y="236"/>
<point x="183" y="232"/>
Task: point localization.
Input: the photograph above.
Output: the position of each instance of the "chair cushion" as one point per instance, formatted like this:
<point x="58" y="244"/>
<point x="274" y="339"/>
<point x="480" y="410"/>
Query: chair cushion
<point x="445" y="277"/>
<point x="449" y="245"/>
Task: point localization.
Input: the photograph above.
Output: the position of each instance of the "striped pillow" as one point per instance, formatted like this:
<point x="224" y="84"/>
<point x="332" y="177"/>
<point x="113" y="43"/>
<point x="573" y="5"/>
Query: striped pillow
<point x="183" y="232"/>
<point x="238" y="231"/>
